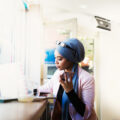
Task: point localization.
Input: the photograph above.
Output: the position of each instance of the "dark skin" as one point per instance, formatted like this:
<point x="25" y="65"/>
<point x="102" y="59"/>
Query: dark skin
<point x="64" y="64"/>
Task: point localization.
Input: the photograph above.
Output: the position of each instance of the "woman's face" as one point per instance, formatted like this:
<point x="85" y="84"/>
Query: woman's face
<point x="61" y="62"/>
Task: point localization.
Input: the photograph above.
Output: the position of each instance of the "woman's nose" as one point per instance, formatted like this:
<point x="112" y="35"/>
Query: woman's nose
<point x="56" y="62"/>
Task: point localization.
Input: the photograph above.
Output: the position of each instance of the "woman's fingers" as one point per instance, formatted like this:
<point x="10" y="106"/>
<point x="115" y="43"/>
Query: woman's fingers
<point x="62" y="79"/>
<point x="66" y="77"/>
<point x="61" y="82"/>
<point x="66" y="81"/>
<point x="71" y="76"/>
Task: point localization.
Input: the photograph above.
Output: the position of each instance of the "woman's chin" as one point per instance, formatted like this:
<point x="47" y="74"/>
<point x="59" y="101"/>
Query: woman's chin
<point x="59" y="68"/>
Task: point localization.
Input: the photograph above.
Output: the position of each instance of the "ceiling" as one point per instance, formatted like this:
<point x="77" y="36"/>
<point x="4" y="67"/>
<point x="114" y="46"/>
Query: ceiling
<point x="60" y="9"/>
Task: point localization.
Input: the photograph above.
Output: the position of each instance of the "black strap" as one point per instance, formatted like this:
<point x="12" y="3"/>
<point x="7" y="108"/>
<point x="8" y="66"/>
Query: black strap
<point x="77" y="102"/>
<point x="59" y="94"/>
<point x="57" y="111"/>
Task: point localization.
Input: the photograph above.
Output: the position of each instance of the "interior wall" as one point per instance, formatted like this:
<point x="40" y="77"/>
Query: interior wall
<point x="54" y="31"/>
<point x="107" y="97"/>
<point x="107" y="73"/>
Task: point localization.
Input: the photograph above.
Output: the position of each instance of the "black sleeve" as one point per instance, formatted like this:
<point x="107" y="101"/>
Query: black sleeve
<point x="77" y="102"/>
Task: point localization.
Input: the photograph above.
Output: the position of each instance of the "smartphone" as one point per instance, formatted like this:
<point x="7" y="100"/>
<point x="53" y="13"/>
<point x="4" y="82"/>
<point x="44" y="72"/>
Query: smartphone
<point x="63" y="76"/>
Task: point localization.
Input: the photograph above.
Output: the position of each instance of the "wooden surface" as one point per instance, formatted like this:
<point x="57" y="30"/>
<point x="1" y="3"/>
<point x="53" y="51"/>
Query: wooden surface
<point x="22" y="111"/>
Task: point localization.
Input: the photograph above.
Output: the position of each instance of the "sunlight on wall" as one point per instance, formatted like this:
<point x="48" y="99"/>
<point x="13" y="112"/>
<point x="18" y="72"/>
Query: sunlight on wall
<point x="20" y="38"/>
<point x="108" y="75"/>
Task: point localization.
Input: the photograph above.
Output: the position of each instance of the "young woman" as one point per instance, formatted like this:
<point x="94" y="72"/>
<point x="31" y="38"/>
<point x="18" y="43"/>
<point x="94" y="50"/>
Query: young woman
<point x="72" y="86"/>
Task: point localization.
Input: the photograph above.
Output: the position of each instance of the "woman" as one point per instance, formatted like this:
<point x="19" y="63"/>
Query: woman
<point x="73" y="86"/>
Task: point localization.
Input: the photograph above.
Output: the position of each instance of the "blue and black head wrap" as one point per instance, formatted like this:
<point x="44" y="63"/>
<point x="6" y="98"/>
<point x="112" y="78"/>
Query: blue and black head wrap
<point x="73" y="50"/>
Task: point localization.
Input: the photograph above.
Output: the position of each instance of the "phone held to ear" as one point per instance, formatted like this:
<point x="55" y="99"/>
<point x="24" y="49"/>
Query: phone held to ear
<point x="64" y="74"/>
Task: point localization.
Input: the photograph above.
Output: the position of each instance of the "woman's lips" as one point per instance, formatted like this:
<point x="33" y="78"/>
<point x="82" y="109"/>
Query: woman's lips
<point x="57" y="66"/>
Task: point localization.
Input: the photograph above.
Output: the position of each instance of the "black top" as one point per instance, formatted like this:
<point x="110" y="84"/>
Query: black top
<point x="74" y="99"/>
<point x="77" y="102"/>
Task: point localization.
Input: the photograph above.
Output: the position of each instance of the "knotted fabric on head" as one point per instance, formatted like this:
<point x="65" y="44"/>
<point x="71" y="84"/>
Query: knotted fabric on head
<point x="71" y="49"/>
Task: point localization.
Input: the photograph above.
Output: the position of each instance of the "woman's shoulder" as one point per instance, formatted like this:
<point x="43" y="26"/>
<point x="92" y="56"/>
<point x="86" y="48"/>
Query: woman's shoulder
<point x="85" y="78"/>
<point x="84" y="74"/>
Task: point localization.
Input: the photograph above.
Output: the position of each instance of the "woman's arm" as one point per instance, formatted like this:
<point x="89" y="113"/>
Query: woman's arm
<point x="85" y="105"/>
<point x="77" y="102"/>
<point x="48" y="86"/>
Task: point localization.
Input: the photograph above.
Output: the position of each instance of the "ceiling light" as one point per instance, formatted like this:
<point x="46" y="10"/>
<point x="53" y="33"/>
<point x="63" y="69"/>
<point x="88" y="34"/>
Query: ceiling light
<point x="83" y="6"/>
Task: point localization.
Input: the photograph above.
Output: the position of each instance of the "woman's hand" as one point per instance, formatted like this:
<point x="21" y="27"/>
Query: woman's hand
<point x="67" y="82"/>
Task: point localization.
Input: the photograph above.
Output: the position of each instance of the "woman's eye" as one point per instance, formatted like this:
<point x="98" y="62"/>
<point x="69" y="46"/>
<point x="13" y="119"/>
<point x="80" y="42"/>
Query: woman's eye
<point x="60" y="59"/>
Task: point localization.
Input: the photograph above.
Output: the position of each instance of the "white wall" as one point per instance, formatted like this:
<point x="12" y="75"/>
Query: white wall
<point x="108" y="73"/>
<point x="107" y="65"/>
